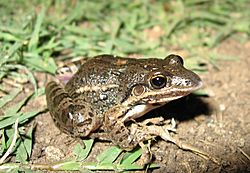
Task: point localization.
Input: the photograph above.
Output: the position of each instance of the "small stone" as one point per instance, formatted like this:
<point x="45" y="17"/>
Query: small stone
<point x="222" y="107"/>
<point x="241" y="142"/>
<point x="53" y="154"/>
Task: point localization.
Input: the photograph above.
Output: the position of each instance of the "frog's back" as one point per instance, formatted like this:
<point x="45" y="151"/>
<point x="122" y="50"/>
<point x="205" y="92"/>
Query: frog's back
<point x="98" y="82"/>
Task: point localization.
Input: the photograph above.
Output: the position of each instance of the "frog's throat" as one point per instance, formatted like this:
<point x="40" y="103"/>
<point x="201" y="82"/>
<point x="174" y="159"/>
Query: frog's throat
<point x="138" y="111"/>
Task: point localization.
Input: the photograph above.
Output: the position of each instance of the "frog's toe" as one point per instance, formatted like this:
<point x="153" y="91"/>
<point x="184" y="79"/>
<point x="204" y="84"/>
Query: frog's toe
<point x="146" y="156"/>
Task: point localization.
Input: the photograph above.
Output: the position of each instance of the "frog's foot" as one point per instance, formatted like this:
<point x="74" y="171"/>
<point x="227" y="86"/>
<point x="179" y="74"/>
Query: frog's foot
<point x="128" y="138"/>
<point x="151" y="128"/>
<point x="155" y="121"/>
<point x="100" y="135"/>
<point x="170" y="125"/>
<point x="146" y="156"/>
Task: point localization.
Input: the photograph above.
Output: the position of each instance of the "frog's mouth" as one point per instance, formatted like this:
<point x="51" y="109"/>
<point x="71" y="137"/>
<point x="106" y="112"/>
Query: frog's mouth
<point x="168" y="94"/>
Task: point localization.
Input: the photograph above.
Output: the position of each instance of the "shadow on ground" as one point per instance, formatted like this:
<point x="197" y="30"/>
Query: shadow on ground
<point x="183" y="109"/>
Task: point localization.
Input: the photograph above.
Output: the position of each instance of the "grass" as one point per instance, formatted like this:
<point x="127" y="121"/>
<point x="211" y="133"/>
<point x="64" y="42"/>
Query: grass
<point x="35" y="34"/>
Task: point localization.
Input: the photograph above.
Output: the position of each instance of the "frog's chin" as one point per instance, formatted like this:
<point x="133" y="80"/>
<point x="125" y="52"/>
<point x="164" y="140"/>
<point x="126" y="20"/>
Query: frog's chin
<point x="139" y="110"/>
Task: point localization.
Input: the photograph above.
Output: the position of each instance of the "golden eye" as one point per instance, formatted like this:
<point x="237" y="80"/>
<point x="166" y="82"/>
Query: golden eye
<point x="158" y="82"/>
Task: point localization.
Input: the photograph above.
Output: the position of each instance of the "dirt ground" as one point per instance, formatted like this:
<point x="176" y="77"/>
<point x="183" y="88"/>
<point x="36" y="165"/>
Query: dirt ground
<point x="219" y="124"/>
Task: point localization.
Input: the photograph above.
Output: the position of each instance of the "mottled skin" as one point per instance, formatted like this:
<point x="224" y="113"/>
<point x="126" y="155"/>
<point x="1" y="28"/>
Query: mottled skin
<point x="106" y="92"/>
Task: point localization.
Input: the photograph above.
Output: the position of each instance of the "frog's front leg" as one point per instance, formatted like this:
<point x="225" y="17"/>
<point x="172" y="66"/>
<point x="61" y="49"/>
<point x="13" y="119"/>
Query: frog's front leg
<point x="72" y="116"/>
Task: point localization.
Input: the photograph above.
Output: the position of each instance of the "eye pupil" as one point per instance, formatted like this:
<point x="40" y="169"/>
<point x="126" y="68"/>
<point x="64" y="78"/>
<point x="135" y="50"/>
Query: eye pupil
<point x="158" y="82"/>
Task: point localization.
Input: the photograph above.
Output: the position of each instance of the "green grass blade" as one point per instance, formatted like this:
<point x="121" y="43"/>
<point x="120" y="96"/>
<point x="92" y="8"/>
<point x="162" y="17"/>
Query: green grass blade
<point x="131" y="157"/>
<point x="40" y="91"/>
<point x="35" y="35"/>
<point x="8" y="37"/>
<point x="9" y="121"/>
<point x="27" y="115"/>
<point x="201" y="92"/>
<point x="23" y="117"/>
<point x="10" y="133"/>
<point x="28" y="141"/>
<point x="67" y="165"/>
<point x="3" y="142"/>
<point x="15" y="108"/>
<point x="24" y="148"/>
<point x="10" y="167"/>
<point x="116" y="167"/>
<point x="82" y="153"/>
<point x="78" y="166"/>
<point x="37" y="63"/>
<point x="21" y="154"/>
<point x="9" y="97"/>
<point x="74" y="166"/>
<point x="109" y="155"/>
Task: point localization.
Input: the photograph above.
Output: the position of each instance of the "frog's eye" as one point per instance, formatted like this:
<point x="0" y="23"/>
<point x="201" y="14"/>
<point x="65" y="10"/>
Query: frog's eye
<point x="158" y="82"/>
<point x="175" y="59"/>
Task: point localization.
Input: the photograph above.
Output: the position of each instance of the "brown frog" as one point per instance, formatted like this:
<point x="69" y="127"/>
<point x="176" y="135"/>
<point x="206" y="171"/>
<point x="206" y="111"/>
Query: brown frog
<point x="107" y="92"/>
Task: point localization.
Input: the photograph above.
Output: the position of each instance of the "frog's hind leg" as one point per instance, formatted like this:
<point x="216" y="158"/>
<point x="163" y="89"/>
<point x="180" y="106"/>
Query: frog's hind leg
<point x="58" y="102"/>
<point x="73" y="117"/>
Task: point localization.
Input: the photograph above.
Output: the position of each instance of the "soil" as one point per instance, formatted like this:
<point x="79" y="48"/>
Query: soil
<point x="218" y="124"/>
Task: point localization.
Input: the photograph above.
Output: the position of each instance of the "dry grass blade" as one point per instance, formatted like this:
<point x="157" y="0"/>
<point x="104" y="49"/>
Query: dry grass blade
<point x="164" y="134"/>
<point x="244" y="153"/>
<point x="8" y="152"/>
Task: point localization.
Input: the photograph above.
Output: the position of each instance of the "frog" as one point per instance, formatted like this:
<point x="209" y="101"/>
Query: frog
<point x="106" y="94"/>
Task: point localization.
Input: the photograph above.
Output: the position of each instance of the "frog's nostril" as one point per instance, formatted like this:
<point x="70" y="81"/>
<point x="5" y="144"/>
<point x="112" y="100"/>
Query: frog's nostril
<point x="187" y="83"/>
